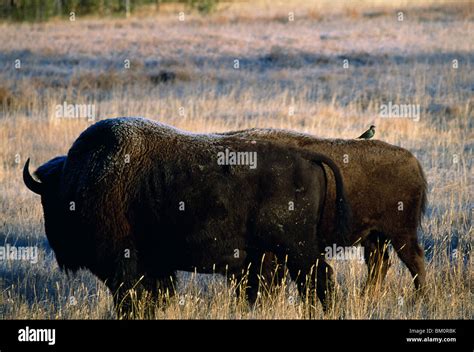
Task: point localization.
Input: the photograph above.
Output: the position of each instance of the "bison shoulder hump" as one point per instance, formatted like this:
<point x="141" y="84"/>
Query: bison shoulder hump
<point x="108" y="133"/>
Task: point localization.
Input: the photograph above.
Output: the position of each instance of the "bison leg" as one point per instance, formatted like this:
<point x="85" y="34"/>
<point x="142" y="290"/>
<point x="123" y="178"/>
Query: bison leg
<point x="252" y="288"/>
<point x="163" y="288"/>
<point x="126" y="295"/>
<point x="325" y="284"/>
<point x="260" y="275"/>
<point x="312" y="282"/>
<point x="140" y="297"/>
<point x="377" y="259"/>
<point x="135" y="291"/>
<point x="410" y="253"/>
<point x="274" y="270"/>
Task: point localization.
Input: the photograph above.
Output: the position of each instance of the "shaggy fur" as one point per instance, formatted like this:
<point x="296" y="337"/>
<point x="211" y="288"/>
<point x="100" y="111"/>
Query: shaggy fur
<point x="380" y="179"/>
<point x="114" y="205"/>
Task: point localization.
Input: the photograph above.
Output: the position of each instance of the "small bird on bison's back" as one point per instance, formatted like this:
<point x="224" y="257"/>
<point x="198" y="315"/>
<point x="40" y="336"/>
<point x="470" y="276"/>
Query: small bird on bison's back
<point x="368" y="134"/>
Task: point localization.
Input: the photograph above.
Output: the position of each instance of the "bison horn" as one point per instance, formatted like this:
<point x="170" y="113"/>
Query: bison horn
<point x="30" y="182"/>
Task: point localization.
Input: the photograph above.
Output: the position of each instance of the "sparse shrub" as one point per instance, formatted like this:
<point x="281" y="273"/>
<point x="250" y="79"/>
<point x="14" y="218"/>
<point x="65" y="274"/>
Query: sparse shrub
<point x="18" y="97"/>
<point x="6" y="97"/>
<point x="103" y="80"/>
<point x="33" y="10"/>
<point x="170" y="76"/>
<point x="162" y="77"/>
<point x="203" y="6"/>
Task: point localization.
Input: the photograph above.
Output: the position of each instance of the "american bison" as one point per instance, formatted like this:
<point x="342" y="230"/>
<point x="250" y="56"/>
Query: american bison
<point x="135" y="200"/>
<point x="386" y="190"/>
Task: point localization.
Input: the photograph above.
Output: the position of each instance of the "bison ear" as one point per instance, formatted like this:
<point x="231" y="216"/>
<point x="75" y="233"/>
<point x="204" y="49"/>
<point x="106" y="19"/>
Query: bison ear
<point x="30" y="182"/>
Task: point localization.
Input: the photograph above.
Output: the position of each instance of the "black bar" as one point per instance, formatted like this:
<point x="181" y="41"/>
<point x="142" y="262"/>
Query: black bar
<point x="364" y="335"/>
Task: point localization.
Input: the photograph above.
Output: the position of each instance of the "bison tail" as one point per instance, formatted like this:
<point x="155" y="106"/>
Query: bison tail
<point x="343" y="209"/>
<point x="424" y="194"/>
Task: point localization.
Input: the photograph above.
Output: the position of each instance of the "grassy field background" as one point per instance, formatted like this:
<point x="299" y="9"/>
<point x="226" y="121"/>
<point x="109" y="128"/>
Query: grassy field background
<point x="183" y="73"/>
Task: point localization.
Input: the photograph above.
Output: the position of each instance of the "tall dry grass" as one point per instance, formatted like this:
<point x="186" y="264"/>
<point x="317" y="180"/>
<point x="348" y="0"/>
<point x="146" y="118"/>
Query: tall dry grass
<point x="283" y="65"/>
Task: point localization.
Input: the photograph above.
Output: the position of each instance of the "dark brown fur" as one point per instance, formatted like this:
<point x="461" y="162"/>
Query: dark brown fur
<point x="377" y="177"/>
<point x="126" y="178"/>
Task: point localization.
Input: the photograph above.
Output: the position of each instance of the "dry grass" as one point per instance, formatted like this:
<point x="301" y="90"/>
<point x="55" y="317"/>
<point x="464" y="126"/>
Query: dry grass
<point x="282" y="64"/>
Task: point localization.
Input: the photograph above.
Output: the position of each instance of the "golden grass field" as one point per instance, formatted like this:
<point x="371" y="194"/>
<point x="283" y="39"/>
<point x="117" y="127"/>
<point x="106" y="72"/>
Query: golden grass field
<point x="284" y="65"/>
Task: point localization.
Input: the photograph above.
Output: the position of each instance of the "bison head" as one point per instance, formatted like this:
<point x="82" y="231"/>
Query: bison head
<point x="49" y="174"/>
<point x="56" y="218"/>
